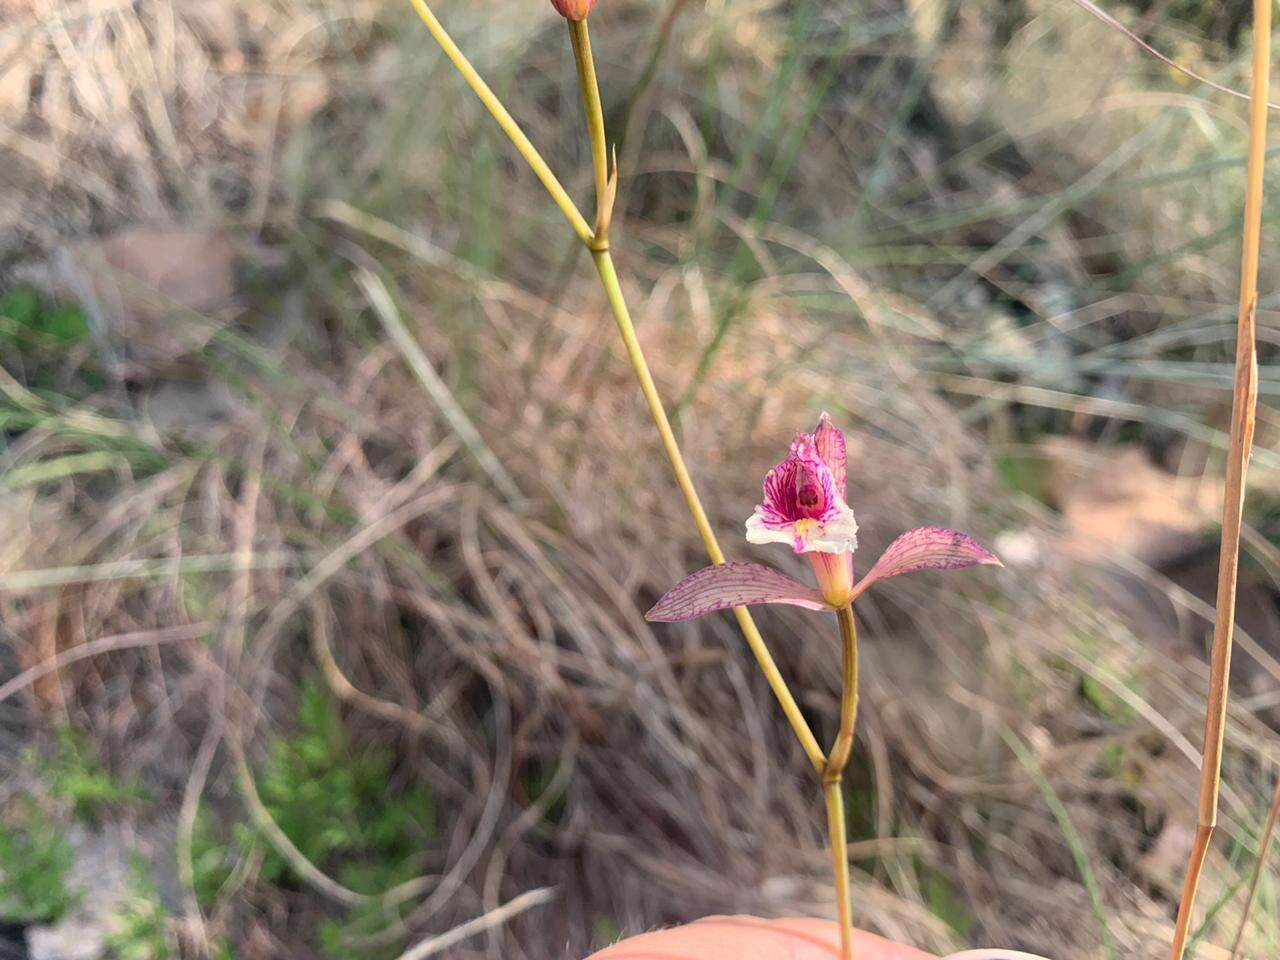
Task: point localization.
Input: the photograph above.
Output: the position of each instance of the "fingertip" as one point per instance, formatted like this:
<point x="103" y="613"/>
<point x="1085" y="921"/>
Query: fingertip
<point x="751" y="938"/>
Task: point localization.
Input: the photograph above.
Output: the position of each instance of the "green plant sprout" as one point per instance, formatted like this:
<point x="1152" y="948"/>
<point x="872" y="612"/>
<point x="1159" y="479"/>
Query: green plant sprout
<point x="320" y="792"/>
<point x="35" y="868"/>
<point x="140" y="927"/>
<point x="72" y="773"/>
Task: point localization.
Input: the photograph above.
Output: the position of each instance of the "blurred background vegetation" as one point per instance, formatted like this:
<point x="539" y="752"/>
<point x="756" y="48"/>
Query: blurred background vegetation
<point x="285" y="672"/>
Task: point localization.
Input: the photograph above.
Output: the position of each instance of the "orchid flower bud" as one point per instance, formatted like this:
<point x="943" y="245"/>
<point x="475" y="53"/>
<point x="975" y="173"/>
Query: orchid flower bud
<point x="573" y="9"/>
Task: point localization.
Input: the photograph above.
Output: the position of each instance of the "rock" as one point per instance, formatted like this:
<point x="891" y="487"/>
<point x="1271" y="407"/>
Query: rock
<point x="100" y="873"/>
<point x="1116" y="500"/>
<point x="1118" y="505"/>
<point x="1164" y="864"/>
<point x="155" y="294"/>
<point x="191" y="409"/>
<point x="13" y="942"/>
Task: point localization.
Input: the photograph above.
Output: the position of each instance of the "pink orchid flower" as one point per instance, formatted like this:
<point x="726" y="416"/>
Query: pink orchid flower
<point x="804" y="506"/>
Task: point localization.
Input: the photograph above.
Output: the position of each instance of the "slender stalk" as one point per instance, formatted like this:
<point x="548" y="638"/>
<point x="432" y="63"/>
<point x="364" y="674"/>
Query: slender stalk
<point x="843" y="747"/>
<point x="505" y="121"/>
<point x="609" y="278"/>
<point x="833" y="793"/>
<point x="833" y="777"/>
<point x="1243" y="406"/>
<point x="1268" y="835"/>
<point x="580" y="39"/>
<point x="599" y="246"/>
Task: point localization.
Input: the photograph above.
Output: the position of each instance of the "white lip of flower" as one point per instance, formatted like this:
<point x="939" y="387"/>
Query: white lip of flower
<point x="836" y="534"/>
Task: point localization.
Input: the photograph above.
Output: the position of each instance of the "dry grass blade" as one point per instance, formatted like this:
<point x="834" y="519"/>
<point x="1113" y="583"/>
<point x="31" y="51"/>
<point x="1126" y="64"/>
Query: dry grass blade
<point x="1243" y="410"/>
<point x="344" y="689"/>
<point x="24" y="581"/>
<point x="1264" y="853"/>
<point x="384" y="306"/>
<point x="127" y="641"/>
<point x="1115" y="24"/>
<point x="488" y="921"/>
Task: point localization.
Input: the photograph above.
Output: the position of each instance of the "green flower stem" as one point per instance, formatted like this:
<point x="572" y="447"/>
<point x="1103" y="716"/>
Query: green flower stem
<point x="613" y="290"/>
<point x="609" y="278"/>
<point x="832" y="771"/>
<point x="833" y="776"/>
<point x="506" y="122"/>
<point x="599" y="246"/>
<point x="833" y="793"/>
<point x="582" y="58"/>
<point x="843" y="747"/>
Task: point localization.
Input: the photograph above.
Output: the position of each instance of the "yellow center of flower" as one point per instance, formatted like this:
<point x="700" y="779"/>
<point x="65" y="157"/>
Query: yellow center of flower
<point x="804" y="527"/>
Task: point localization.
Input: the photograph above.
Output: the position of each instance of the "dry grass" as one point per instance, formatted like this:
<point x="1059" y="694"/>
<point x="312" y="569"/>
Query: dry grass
<point x="1015" y="266"/>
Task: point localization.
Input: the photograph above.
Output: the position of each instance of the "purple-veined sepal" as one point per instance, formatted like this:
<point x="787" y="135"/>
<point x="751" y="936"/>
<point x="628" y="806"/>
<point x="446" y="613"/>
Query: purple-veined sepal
<point x="727" y="585"/>
<point x="927" y="548"/>
<point x="830" y="445"/>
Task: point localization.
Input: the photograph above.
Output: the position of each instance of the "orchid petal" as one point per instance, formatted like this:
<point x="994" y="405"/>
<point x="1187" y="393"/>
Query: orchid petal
<point x="732" y="585"/>
<point x="831" y="449"/>
<point x="927" y="548"/>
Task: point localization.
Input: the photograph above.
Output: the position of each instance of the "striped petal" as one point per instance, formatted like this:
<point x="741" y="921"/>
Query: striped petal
<point x="831" y="448"/>
<point x="927" y="548"/>
<point x="732" y="585"/>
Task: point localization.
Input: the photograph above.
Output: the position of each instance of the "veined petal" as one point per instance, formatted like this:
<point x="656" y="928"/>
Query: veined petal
<point x="779" y="504"/>
<point x="800" y="486"/>
<point x="732" y="585"/>
<point x="831" y="449"/>
<point x="927" y="548"/>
